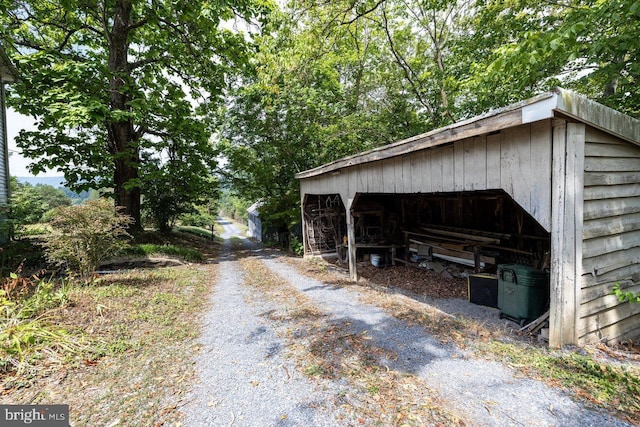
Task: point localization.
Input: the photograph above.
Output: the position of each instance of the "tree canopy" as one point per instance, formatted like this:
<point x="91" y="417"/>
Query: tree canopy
<point x="130" y="92"/>
<point x="335" y="78"/>
<point x="109" y="81"/>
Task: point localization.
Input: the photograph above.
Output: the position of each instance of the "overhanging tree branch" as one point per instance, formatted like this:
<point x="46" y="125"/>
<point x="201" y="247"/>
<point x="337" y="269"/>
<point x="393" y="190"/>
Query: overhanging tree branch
<point x="408" y="72"/>
<point x="361" y="14"/>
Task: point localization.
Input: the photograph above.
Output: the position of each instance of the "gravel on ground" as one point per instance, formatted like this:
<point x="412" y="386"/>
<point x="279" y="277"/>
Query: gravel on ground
<point x="246" y="378"/>
<point x="483" y="393"/>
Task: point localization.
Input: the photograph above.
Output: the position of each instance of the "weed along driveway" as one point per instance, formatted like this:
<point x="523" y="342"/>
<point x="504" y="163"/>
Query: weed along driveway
<point x="281" y="347"/>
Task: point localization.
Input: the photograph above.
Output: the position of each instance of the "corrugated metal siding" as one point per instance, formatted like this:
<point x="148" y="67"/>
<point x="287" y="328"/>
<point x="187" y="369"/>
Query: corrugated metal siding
<point x="255" y="225"/>
<point x="517" y="160"/>
<point x="611" y="237"/>
<point x="4" y="173"/>
<point x="4" y="165"/>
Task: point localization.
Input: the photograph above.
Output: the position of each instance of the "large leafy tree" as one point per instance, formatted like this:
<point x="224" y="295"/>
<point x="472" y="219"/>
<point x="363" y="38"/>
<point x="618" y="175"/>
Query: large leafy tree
<point x="109" y="80"/>
<point x="523" y="47"/>
<point x="321" y="90"/>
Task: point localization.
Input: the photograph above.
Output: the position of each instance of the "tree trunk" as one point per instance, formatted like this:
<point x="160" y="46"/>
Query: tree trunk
<point x="123" y="140"/>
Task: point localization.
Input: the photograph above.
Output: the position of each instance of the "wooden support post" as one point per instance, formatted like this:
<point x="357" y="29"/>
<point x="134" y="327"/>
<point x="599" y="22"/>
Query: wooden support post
<point x="305" y="228"/>
<point x="406" y="246"/>
<point x="351" y="236"/>
<point x="566" y="232"/>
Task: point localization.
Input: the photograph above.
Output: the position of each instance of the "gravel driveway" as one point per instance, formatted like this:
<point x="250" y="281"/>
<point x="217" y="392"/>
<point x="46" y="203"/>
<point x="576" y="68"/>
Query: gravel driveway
<point x="247" y="380"/>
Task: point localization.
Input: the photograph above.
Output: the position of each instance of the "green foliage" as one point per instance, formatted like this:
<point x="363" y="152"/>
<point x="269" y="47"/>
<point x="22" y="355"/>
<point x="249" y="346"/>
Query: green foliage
<point x="296" y="246"/>
<point x="173" y="191"/>
<point x="331" y="79"/>
<point x="85" y="235"/>
<point x="202" y="216"/>
<point x="36" y="229"/>
<point x="30" y="204"/>
<point x="234" y="206"/>
<point x="115" y="80"/>
<point x="633" y="298"/>
<point x="313" y="98"/>
<point x="521" y="48"/>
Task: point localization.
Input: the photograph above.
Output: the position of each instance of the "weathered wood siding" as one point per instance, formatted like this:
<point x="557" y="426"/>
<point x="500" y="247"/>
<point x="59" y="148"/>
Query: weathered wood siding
<point x="611" y="237"/>
<point x="517" y="160"/>
<point x="4" y="173"/>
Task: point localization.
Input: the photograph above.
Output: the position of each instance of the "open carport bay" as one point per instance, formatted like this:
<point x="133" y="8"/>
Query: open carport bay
<point x="551" y="183"/>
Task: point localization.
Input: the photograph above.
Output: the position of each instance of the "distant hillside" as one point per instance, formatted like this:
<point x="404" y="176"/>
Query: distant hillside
<point x="54" y="181"/>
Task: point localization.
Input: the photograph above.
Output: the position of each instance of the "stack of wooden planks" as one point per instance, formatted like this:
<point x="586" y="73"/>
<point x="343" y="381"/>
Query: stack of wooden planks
<point x="474" y="248"/>
<point x="452" y="246"/>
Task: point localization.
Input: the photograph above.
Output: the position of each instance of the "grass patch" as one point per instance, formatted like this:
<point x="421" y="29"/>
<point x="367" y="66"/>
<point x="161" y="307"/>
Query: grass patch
<point x="202" y="232"/>
<point x="140" y="327"/>
<point x="149" y="249"/>
<point x="605" y="385"/>
<point x="31" y="342"/>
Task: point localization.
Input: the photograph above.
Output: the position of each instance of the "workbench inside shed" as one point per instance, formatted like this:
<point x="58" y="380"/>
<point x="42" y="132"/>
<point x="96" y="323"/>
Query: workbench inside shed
<point x="426" y="226"/>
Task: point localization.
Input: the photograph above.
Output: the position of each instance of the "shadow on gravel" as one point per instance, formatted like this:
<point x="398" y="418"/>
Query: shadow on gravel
<point x="241" y="247"/>
<point x="392" y="344"/>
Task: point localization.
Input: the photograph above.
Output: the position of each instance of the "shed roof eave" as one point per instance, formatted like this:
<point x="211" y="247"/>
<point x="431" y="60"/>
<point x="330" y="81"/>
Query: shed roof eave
<point x="598" y="115"/>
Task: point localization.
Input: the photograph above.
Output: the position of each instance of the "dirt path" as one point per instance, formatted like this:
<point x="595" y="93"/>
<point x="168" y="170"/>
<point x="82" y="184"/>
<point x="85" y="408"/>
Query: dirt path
<point x="246" y="378"/>
<point x="231" y="229"/>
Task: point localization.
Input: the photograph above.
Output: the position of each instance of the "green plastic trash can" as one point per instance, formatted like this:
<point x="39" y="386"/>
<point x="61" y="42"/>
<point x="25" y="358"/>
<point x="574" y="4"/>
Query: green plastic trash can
<point x="522" y="292"/>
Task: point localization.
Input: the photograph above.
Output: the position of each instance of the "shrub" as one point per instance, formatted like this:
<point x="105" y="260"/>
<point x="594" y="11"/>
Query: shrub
<point x="85" y="235"/>
<point x="197" y="219"/>
<point x="296" y="245"/>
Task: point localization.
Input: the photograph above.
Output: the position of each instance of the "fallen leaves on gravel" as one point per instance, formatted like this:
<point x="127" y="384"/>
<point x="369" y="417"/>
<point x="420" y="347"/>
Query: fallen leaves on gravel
<point x="423" y="282"/>
<point x="330" y="351"/>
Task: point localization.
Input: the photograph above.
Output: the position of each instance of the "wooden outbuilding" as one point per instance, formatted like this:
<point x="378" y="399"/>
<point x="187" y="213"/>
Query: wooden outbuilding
<point x="254" y="222"/>
<point x="553" y="182"/>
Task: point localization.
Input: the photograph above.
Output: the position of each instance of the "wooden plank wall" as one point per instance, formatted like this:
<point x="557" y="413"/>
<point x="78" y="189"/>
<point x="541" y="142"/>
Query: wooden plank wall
<point x="611" y="238"/>
<point x="517" y="160"/>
